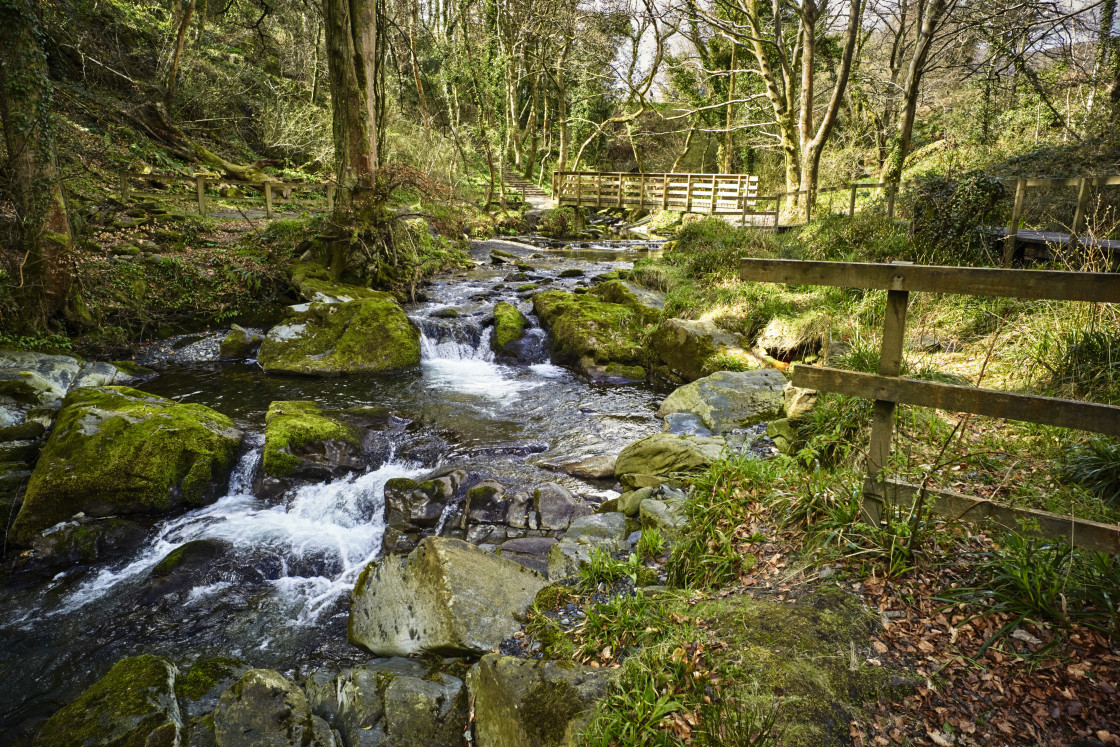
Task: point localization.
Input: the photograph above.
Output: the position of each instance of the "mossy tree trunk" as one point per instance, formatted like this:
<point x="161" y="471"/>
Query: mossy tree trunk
<point x="354" y="60"/>
<point x="34" y="181"/>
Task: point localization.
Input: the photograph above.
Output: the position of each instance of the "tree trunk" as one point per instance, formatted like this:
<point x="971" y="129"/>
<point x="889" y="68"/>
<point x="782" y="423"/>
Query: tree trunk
<point x="727" y="138"/>
<point x="412" y="23"/>
<point x="177" y="53"/>
<point x="354" y="63"/>
<point x="35" y="187"/>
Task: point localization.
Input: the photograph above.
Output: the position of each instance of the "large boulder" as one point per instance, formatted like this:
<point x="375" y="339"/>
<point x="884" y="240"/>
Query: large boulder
<point x="240" y="343"/>
<point x="263" y="709"/>
<point x="519" y="703"/>
<point x="134" y="704"/>
<point x="447" y="596"/>
<point x="588" y="331"/>
<point x="116" y="450"/>
<point x="785" y="337"/>
<point x="691" y="349"/>
<point x="665" y="454"/>
<point x="509" y="327"/>
<point x="35" y="379"/>
<point x="392" y="702"/>
<point x="371" y="335"/>
<point x="557" y="506"/>
<point x="728" y="400"/>
<point x="300" y="440"/>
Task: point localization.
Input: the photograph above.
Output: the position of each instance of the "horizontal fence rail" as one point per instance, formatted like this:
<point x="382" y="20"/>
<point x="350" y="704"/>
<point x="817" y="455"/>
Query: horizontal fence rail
<point x="888" y="388"/>
<point x="716" y="194"/>
<point x="271" y="191"/>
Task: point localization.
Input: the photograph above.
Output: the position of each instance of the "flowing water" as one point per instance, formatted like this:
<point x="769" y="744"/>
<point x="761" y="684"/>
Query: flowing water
<point x="280" y="596"/>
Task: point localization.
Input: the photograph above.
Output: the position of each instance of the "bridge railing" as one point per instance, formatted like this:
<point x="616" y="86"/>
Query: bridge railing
<point x="716" y="194"/>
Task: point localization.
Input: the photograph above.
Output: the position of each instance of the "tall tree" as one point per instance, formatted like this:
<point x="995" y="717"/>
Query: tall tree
<point x="35" y="185"/>
<point x="355" y="57"/>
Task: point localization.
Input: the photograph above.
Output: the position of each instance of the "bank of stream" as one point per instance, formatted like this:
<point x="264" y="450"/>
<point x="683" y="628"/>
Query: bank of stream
<point x="281" y="599"/>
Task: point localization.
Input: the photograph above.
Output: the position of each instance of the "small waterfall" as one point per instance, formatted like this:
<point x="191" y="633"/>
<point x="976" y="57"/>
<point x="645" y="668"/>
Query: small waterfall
<point x="454" y="339"/>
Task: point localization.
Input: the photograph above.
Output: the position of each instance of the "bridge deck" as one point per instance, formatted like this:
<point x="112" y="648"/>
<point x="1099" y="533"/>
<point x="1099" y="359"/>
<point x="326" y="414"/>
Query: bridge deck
<point x="718" y="194"/>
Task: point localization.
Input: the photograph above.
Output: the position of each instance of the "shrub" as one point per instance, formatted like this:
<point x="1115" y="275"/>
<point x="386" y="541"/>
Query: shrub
<point x="1095" y="466"/>
<point x="561" y="223"/>
<point x="948" y="215"/>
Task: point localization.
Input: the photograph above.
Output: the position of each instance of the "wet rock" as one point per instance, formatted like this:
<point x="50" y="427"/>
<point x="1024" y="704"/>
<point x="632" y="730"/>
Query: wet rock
<point x="557" y="506"/>
<point x="509" y="327"/>
<point x="300" y="440"/>
<point x="446" y="596"/>
<point x="97" y="373"/>
<point x="392" y="703"/>
<point x="798" y="401"/>
<point x="85" y="540"/>
<point x="486" y="503"/>
<point x="531" y="552"/>
<point x="583" y="326"/>
<point x="240" y="343"/>
<point x="597" y="467"/>
<point x="667" y="516"/>
<point x="35" y="379"/>
<point x="265" y="709"/>
<point x="116" y="450"/>
<point x="365" y="336"/>
<point x="204" y="683"/>
<point x="520" y="703"/>
<point x="133" y="704"/>
<point x="665" y="454"/>
<point x="685" y="424"/>
<point x="692" y="349"/>
<point x="187" y="566"/>
<point x="729" y="400"/>
<point x="419" y="504"/>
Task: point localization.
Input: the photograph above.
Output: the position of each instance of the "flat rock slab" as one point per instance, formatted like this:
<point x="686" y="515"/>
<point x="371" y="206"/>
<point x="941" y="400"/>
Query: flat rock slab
<point x="729" y="400"/>
<point x="447" y="596"/>
<point x="665" y="454"/>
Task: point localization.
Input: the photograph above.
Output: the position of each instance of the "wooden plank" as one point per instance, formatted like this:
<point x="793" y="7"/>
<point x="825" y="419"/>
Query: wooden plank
<point x="1013" y="227"/>
<point x="1082" y="205"/>
<point x="1088" y="535"/>
<point x="882" y="422"/>
<point x="852" y="203"/>
<point x="200" y="189"/>
<point x="1056" y="285"/>
<point x="1064" y="413"/>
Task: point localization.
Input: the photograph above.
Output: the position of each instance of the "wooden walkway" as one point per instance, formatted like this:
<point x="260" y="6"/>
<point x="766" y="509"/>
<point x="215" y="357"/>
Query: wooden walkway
<point x="1046" y="238"/>
<point x="713" y="194"/>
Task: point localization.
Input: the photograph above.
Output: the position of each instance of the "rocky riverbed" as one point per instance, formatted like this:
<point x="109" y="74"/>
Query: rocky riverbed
<point x="339" y="519"/>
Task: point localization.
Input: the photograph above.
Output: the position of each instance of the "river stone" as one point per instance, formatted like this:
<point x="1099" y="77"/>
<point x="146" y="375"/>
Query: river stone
<point x="98" y="373"/>
<point x="134" y="704"/>
<point x="606" y="531"/>
<point x="371" y="335"/>
<point x="520" y="703"/>
<point x="665" y="454"/>
<point x="630" y="502"/>
<point x="240" y="343"/>
<point x="668" y="517"/>
<point x="447" y="596"/>
<point x="391" y="703"/>
<point x="610" y="527"/>
<point x="86" y="541"/>
<point x="597" y="467"/>
<point x="116" y="450"/>
<point x="687" y="347"/>
<point x="418" y="504"/>
<point x="685" y="424"/>
<point x="728" y="400"/>
<point x="204" y="683"/>
<point x="486" y="503"/>
<point x="300" y="440"/>
<point x="35" y="378"/>
<point x="263" y="709"/>
<point x="557" y="506"/>
<point x="509" y="327"/>
<point x="785" y="337"/>
<point x="798" y="401"/>
<point x="584" y="328"/>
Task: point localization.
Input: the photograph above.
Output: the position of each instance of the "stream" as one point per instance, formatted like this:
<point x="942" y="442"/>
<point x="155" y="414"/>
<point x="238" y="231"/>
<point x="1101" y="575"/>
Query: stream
<point x="283" y="602"/>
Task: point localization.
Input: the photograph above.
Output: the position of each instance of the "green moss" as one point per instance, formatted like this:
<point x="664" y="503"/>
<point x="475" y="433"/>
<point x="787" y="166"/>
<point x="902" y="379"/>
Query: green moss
<point x="204" y="676"/>
<point x="585" y="326"/>
<point x="130" y="706"/>
<point x="370" y="335"/>
<point x="481" y="493"/>
<point x="552" y="596"/>
<point x="547" y="710"/>
<point x="134" y="369"/>
<point x="116" y="450"/>
<point x="629" y="372"/>
<point x="314" y="282"/>
<point x="527" y="287"/>
<point x="22" y="432"/>
<point x="509" y="325"/>
<point x="295" y="424"/>
<point x="572" y="272"/>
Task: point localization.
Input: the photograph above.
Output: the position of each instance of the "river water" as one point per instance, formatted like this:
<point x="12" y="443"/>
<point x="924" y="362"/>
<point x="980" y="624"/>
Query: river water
<point x="283" y="602"/>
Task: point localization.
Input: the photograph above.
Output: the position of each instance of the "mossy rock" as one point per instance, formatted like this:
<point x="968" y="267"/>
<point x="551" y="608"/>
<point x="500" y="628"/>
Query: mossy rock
<point x="372" y="335"/>
<point x="315" y="285"/>
<point x="204" y="683"/>
<point x="571" y="272"/>
<point x="585" y="326"/>
<point x="264" y="708"/>
<point x="693" y="349"/>
<point x="296" y="429"/>
<point x="240" y="343"/>
<point x="116" y="450"/>
<point x="134" y="705"/>
<point x="509" y="326"/>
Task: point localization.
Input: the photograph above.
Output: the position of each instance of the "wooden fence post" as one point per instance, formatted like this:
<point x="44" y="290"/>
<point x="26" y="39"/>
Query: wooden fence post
<point x="642" y="192"/>
<point x="688" y="195"/>
<point x="268" y="199"/>
<point x="330" y="198"/>
<point x="555" y="196"/>
<point x="892" y="192"/>
<point x="882" y="425"/>
<point x="1013" y="226"/>
<point x="1082" y="205"/>
<point x="621" y="183"/>
<point x="200" y="187"/>
<point x="124" y="187"/>
<point x="777" y="211"/>
<point x="665" y="192"/>
<point x="598" y="190"/>
<point x="852" y="203"/>
<point x="579" y="191"/>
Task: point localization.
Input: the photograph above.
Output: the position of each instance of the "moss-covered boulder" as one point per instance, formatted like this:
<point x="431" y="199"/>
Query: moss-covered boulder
<point x="728" y="400"/>
<point x="134" y="704"/>
<point x="301" y="440"/>
<point x="35" y="378"/>
<point x="691" y="349"/>
<point x="509" y="326"/>
<point x="588" y="331"/>
<point x="519" y="703"/>
<point x="203" y="684"/>
<point x="85" y="540"/>
<point x="419" y="504"/>
<point x="240" y="343"/>
<point x="664" y="454"/>
<point x="371" y="335"/>
<point x="394" y="702"/>
<point x="314" y="283"/>
<point x="263" y="709"/>
<point x="446" y="597"/>
<point x="116" y="450"/>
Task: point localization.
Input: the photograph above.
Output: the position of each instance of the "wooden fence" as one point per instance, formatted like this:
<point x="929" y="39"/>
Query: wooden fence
<point x="888" y="389"/>
<point x="270" y="192"/>
<point x="715" y="194"/>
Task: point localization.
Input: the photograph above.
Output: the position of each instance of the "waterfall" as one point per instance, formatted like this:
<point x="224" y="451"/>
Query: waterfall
<point x="454" y="339"/>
